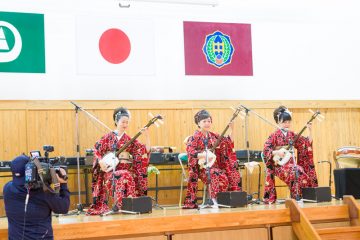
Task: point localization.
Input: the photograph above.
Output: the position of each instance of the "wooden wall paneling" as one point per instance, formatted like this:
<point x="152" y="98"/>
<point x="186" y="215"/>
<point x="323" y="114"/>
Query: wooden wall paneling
<point x="73" y="188"/>
<point x="52" y="127"/>
<point x="166" y="178"/>
<point x="5" y="177"/>
<point x="146" y="238"/>
<point x="13" y="132"/>
<point x="53" y="122"/>
<point x="243" y="234"/>
<point x="90" y="131"/>
<point x="283" y="233"/>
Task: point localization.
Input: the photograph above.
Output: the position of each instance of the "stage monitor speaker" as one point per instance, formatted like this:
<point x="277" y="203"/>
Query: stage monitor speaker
<point x="318" y="194"/>
<point x="347" y="182"/>
<point x="71" y="161"/>
<point x="171" y="157"/>
<point x="5" y="164"/>
<point x="254" y="155"/>
<point x="163" y="158"/>
<point x="137" y="204"/>
<point x="156" y="157"/>
<point x="232" y="199"/>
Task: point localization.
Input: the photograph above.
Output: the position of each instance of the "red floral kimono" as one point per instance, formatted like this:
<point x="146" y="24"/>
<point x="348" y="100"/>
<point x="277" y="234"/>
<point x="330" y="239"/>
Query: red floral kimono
<point x="224" y="173"/>
<point x="305" y="165"/>
<point x="130" y="179"/>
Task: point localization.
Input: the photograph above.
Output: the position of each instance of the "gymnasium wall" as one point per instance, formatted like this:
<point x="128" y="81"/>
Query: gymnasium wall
<point x="300" y="51"/>
<point x="28" y="125"/>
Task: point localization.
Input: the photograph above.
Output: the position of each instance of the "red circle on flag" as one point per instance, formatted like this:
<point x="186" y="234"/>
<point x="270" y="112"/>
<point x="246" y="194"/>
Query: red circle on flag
<point x="114" y="46"/>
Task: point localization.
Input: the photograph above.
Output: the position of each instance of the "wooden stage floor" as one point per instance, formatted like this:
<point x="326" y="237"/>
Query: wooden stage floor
<point x="174" y="223"/>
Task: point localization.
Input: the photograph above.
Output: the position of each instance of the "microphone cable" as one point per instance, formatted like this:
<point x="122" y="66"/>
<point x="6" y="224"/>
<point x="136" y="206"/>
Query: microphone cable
<point x="25" y="209"/>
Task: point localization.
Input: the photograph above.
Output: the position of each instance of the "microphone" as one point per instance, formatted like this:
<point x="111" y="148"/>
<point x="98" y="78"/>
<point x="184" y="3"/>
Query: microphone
<point x="245" y="108"/>
<point x="206" y="141"/>
<point x="114" y="147"/>
<point x="74" y="104"/>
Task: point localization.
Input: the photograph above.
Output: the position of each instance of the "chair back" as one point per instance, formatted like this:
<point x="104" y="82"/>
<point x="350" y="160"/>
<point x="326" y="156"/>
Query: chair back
<point x="182" y="157"/>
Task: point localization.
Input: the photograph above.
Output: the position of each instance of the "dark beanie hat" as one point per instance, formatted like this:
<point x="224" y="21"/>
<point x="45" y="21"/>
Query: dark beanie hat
<point x="200" y="115"/>
<point x="17" y="167"/>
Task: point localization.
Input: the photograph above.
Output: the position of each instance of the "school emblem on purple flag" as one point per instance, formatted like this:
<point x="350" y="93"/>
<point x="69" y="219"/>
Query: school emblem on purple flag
<point x="218" y="49"/>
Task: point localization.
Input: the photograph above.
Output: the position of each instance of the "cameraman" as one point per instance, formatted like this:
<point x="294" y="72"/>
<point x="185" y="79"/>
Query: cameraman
<point x="32" y="220"/>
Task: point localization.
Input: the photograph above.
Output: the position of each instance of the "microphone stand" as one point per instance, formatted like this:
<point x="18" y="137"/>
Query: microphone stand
<point x="248" y="178"/>
<point x="115" y="209"/>
<point x="208" y="201"/>
<point x="77" y="108"/>
<point x="330" y="170"/>
<point x="259" y="116"/>
<point x="247" y="111"/>
<point x="297" y="195"/>
<point x="291" y="150"/>
<point x="79" y="207"/>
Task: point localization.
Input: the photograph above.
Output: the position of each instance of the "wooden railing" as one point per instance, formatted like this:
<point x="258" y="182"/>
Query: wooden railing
<point x="302" y="220"/>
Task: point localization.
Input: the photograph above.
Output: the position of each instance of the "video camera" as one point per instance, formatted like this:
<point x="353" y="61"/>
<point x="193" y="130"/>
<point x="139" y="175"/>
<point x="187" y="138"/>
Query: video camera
<point x="39" y="171"/>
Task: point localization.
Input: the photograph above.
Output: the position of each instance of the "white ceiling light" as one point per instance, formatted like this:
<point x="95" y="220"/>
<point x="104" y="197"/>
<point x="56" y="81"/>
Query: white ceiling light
<point x="186" y="2"/>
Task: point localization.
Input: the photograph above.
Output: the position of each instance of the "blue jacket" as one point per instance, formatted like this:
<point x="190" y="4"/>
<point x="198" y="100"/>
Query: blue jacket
<point x="38" y="214"/>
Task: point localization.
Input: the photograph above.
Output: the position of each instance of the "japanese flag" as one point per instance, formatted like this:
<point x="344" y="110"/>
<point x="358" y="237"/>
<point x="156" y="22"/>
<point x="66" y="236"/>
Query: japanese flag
<point x="115" y="46"/>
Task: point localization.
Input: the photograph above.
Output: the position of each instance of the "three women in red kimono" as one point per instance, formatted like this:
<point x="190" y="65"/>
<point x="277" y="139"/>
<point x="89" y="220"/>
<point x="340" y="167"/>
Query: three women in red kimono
<point x="131" y="175"/>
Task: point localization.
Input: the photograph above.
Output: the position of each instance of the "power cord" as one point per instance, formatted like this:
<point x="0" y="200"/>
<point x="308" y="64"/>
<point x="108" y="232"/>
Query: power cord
<point x="25" y="209"/>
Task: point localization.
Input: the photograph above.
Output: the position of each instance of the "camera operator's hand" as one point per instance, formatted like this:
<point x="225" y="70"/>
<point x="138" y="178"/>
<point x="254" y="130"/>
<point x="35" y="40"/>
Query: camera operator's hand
<point x="62" y="173"/>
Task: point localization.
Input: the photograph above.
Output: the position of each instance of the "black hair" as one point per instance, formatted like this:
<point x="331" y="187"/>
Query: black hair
<point x="282" y="114"/>
<point x="201" y="115"/>
<point x="120" y="112"/>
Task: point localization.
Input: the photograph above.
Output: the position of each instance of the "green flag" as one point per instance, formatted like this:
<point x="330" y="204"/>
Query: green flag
<point x="22" y="42"/>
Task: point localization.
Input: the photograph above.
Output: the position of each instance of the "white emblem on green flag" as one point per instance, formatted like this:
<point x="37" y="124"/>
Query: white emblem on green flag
<point x="22" y="43"/>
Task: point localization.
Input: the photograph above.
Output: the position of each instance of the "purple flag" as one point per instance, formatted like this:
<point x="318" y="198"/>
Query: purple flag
<point x="217" y="49"/>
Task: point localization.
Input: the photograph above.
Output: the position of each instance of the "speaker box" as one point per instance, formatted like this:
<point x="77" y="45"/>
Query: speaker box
<point x="318" y="194"/>
<point x="137" y="204"/>
<point x="70" y="161"/>
<point x="156" y="157"/>
<point x="254" y="155"/>
<point x="232" y="199"/>
<point x="171" y="157"/>
<point x="347" y="182"/>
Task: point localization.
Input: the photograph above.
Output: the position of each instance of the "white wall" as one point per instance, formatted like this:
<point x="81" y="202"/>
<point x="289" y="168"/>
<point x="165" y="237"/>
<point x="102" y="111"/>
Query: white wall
<point x="301" y="50"/>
